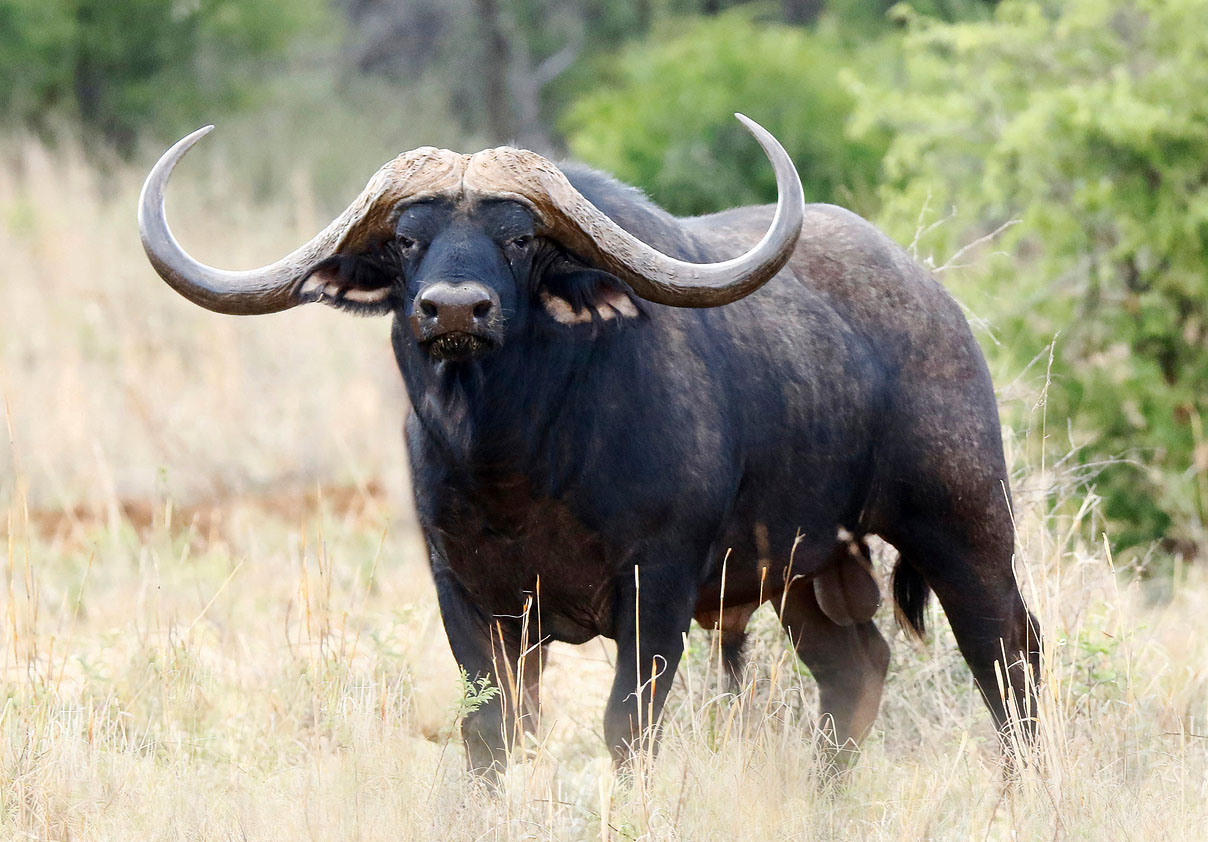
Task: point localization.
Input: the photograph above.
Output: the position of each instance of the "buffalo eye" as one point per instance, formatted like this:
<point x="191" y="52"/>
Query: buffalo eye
<point x="518" y="245"/>
<point x="407" y="247"/>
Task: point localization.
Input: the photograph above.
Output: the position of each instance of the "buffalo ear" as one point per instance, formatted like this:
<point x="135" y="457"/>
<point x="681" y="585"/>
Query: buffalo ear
<point x="359" y="283"/>
<point x="573" y="294"/>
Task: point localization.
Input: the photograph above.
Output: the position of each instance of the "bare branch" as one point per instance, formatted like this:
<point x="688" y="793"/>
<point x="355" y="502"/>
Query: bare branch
<point x="951" y="263"/>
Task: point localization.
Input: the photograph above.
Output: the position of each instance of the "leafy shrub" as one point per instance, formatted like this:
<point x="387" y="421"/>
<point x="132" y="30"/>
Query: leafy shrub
<point x="663" y="119"/>
<point x="123" y="67"/>
<point x="1088" y="122"/>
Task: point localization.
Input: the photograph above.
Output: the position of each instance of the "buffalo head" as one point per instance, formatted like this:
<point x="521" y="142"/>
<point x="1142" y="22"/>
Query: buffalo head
<point x="468" y="248"/>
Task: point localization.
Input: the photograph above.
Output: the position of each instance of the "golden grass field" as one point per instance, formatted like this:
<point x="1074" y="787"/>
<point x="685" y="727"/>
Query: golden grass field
<point x="218" y="622"/>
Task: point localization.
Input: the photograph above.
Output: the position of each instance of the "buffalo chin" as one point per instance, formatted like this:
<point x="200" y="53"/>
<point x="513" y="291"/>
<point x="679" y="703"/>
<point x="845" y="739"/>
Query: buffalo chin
<point x="458" y="346"/>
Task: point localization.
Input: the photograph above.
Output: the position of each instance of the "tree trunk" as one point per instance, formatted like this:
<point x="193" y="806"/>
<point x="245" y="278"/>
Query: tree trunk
<point x="495" y="70"/>
<point x="802" y="12"/>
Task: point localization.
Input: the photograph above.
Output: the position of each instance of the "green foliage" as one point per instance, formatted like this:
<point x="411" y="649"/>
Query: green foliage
<point x="472" y="694"/>
<point x="124" y="67"/>
<point x="1088" y="122"/>
<point x="34" y="67"/>
<point x="869" y="18"/>
<point x="664" y="119"/>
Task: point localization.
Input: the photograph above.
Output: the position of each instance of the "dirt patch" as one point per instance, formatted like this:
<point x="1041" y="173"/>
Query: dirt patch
<point x="207" y="519"/>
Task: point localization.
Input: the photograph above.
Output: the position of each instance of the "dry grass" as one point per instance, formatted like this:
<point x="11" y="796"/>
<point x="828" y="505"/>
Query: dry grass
<point x="199" y="644"/>
<point x="118" y="389"/>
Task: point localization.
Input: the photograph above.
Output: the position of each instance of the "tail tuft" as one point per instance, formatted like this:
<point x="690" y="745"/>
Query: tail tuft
<point x="910" y="593"/>
<point x="734" y="658"/>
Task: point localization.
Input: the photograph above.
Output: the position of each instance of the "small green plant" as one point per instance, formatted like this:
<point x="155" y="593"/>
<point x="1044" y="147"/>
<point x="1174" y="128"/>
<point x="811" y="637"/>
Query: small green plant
<point x="473" y="694"/>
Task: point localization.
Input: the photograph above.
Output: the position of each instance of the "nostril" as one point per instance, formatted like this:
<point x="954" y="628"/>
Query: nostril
<point x="427" y="308"/>
<point x="481" y="309"/>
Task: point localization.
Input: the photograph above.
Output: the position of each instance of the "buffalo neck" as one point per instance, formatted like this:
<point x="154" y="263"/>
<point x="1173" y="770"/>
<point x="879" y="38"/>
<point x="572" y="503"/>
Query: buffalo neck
<point x="526" y="409"/>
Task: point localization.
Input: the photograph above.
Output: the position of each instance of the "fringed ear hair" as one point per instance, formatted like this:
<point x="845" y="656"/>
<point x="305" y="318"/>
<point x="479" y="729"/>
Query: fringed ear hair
<point x="574" y="295"/>
<point x="358" y="283"/>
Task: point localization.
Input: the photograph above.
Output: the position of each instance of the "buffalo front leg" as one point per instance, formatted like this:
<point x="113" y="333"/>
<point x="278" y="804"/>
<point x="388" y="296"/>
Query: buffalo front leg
<point x="503" y="671"/>
<point x="652" y="611"/>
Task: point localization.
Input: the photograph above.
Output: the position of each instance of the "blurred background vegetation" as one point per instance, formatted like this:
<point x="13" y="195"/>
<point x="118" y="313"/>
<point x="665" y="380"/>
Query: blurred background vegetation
<point x="1049" y="158"/>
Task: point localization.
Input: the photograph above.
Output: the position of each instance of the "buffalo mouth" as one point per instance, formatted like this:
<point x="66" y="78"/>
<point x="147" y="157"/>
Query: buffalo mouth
<point x="458" y="346"/>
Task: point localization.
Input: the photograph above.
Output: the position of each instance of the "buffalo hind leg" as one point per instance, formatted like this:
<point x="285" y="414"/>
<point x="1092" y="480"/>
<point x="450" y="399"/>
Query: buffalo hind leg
<point x="997" y="635"/>
<point x="848" y="663"/>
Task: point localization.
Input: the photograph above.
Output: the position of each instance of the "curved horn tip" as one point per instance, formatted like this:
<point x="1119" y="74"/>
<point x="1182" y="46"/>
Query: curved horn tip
<point x="186" y="143"/>
<point x="760" y="133"/>
<point x="154" y="184"/>
<point x="747" y="121"/>
<point x="202" y="132"/>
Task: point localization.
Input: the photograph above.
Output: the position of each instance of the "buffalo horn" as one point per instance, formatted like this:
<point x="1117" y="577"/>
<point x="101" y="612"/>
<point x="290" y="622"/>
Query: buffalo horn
<point x="571" y="219"/>
<point x="281" y="285"/>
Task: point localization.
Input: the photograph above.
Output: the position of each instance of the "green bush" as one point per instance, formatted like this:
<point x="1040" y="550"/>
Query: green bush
<point x="1087" y="121"/>
<point x="122" y="67"/>
<point x="663" y="118"/>
<point x="34" y="60"/>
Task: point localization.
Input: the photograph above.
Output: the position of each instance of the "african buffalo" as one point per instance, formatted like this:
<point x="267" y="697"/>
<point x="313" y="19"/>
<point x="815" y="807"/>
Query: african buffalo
<point x="611" y="408"/>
